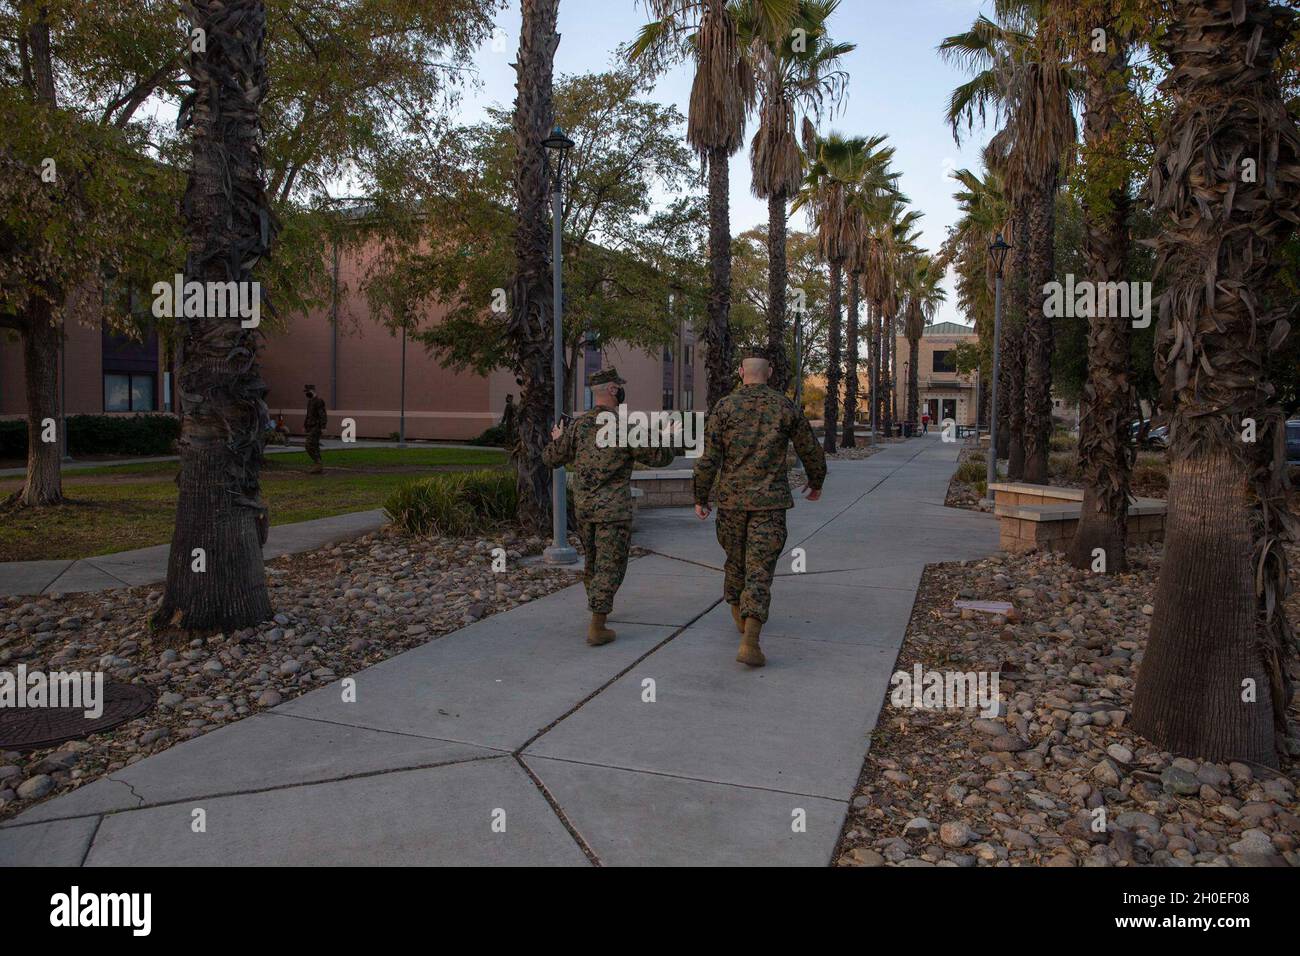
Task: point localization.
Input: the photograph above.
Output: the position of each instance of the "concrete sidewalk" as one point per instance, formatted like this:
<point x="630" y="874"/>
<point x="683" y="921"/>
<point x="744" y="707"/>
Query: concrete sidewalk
<point x="511" y="741"/>
<point x="149" y="565"/>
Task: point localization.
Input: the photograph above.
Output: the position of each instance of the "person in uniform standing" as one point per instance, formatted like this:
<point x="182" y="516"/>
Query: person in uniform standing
<point x="602" y="494"/>
<point x="313" y="425"/>
<point x="745" y="445"/>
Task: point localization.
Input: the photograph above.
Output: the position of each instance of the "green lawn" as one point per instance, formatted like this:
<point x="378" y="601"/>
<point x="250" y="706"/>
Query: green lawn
<point x="120" y="507"/>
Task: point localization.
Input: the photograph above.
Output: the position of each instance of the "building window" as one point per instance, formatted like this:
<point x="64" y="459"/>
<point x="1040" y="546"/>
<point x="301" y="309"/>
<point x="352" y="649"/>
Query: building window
<point x="129" y="392"/>
<point x="944" y="361"/>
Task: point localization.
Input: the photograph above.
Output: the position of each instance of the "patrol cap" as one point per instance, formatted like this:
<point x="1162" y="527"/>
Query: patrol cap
<point x="606" y="375"/>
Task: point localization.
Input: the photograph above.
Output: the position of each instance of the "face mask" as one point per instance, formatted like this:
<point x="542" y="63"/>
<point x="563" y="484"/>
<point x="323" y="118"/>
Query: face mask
<point x="620" y="396"/>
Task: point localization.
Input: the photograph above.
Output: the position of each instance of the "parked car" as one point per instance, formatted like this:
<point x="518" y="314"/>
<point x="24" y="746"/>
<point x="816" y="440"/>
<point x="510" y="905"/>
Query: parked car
<point x="1293" y="442"/>
<point x="1158" y="437"/>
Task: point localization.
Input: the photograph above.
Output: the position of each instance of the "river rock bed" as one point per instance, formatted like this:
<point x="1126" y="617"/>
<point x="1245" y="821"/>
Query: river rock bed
<point x="338" y="609"/>
<point x="1057" y="777"/>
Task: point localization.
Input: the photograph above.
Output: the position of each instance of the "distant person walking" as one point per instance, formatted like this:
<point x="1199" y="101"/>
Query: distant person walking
<point x="745" y="446"/>
<point x="925" y="422"/>
<point x="313" y="425"/>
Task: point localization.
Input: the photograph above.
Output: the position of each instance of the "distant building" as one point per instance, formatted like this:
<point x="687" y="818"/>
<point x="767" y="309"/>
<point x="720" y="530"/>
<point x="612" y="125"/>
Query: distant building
<point x="942" y="390"/>
<point x="356" y="365"/>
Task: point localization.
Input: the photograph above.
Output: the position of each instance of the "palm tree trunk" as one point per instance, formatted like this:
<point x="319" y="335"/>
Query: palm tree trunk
<point x="215" y="575"/>
<point x="913" y="389"/>
<point x="776" y="293"/>
<point x="1212" y="682"/>
<point x="1108" y="392"/>
<point x="717" y="333"/>
<point x="889" y="345"/>
<point x="849" y="439"/>
<point x="831" y="407"/>
<point x="1013" y="355"/>
<point x="1039" y="332"/>
<point x="529" y="326"/>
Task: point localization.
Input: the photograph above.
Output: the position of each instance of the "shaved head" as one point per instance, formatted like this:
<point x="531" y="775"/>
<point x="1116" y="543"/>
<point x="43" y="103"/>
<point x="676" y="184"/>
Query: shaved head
<point x="755" y="371"/>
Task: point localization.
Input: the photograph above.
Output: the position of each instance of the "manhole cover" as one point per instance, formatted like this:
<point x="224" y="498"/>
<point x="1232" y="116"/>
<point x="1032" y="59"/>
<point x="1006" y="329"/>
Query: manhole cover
<point x="28" y="728"/>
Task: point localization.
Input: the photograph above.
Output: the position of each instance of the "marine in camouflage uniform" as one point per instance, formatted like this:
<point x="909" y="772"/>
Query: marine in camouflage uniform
<point x="602" y="497"/>
<point x="313" y="425"/>
<point x="745" y="447"/>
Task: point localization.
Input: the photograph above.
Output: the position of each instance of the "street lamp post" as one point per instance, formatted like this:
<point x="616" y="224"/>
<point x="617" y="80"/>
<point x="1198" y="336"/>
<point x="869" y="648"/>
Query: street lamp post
<point x="998" y="249"/>
<point x="557" y="149"/>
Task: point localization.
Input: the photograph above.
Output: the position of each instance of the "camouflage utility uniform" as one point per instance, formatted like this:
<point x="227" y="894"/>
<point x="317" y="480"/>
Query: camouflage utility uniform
<point x="745" y="447"/>
<point x="602" y="498"/>
<point x="313" y="425"/>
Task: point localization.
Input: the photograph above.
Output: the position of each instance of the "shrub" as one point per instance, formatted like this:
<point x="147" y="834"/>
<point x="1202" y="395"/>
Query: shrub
<point x="977" y="457"/>
<point x="102" y="435"/>
<point x="971" y="471"/>
<point x="981" y="488"/>
<point x="494" y="436"/>
<point x="454" y="504"/>
<point x="1064" y="465"/>
<point x="1062" y="441"/>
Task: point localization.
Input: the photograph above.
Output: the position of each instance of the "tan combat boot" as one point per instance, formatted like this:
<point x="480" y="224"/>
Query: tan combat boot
<point x="749" y="652"/>
<point x="735" y="616"/>
<point x="597" y="632"/>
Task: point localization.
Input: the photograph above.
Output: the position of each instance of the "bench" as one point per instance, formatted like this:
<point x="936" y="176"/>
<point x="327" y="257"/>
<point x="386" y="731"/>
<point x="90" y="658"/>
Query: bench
<point x="663" y="488"/>
<point x="1044" y="517"/>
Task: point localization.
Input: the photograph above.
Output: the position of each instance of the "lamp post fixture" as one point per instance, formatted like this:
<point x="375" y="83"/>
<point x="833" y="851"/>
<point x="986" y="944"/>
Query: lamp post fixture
<point x="998" y="250"/>
<point x="557" y="147"/>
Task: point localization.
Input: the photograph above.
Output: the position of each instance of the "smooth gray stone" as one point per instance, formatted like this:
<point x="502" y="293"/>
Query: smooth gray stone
<point x="437" y="817"/>
<point x="29" y="577"/>
<point x="258" y="753"/>
<point x="83" y="576"/>
<point x="800" y="724"/>
<point x="639" y="819"/>
<point x="496" y="683"/>
<point x="47" y="844"/>
<point x="99" y="796"/>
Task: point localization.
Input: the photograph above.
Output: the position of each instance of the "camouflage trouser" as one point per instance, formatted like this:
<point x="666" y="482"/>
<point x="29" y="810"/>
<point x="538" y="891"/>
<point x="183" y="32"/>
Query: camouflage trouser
<point x="604" y="543"/>
<point x="753" y="541"/>
<point x="313" y="445"/>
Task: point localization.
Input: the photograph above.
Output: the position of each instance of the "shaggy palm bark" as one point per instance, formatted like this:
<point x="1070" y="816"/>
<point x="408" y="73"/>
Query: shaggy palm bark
<point x="1213" y="681"/>
<point x="529" y="326"/>
<point x="215" y="575"/>
<point x="874" y="364"/>
<point x="1104" y="456"/>
<point x="887" y="374"/>
<point x="848" y="439"/>
<point x="777" y="277"/>
<point x="719" y="356"/>
<point x="1039" y="332"/>
<point x="913" y="385"/>
<point x="831" y="406"/>
<point x="1013" y="354"/>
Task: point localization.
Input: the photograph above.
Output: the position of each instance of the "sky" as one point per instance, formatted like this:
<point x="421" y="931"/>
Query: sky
<point x="898" y="86"/>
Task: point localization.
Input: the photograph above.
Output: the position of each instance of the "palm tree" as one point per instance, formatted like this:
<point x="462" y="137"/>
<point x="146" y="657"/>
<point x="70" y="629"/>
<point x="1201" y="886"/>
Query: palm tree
<point x="722" y="94"/>
<point x="1108" y="398"/>
<point x="984" y="216"/>
<point x="873" y="197"/>
<point x="529" y="327"/>
<point x="838" y="167"/>
<point x="795" y="71"/>
<point x="215" y="575"/>
<point x="922" y="296"/>
<point x="1021" y="70"/>
<point x="1213" y="681"/>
